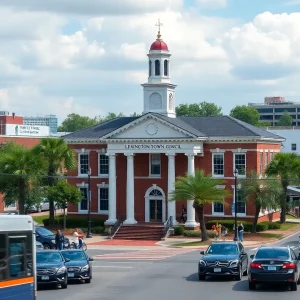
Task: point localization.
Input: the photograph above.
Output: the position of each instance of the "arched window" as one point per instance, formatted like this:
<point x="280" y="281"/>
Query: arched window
<point x="150" y="68"/>
<point x="157" y="68"/>
<point x="166" y="65"/>
<point x="170" y="101"/>
<point x="155" y="193"/>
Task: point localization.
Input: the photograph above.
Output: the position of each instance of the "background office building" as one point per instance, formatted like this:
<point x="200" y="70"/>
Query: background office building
<point x="43" y="120"/>
<point x="274" y="107"/>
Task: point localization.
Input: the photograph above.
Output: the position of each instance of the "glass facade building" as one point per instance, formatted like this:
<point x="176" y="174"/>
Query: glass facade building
<point x="45" y="120"/>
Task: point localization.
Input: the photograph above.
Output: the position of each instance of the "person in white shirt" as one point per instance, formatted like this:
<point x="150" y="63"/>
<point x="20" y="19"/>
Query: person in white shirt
<point x="76" y="239"/>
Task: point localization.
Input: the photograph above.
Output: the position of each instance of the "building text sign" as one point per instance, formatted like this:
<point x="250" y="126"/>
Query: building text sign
<point x="27" y="130"/>
<point x="153" y="147"/>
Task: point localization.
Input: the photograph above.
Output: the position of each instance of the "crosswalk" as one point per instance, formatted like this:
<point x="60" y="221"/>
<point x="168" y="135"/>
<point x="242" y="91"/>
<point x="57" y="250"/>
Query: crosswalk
<point x="144" y="255"/>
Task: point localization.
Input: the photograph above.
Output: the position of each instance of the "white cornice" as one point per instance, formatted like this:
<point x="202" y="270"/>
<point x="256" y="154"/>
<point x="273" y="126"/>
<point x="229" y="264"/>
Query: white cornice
<point x="141" y="119"/>
<point x="149" y="141"/>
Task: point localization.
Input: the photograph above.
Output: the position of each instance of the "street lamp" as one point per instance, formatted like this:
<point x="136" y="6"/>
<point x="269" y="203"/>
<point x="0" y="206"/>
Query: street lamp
<point x="236" y="173"/>
<point x="89" y="233"/>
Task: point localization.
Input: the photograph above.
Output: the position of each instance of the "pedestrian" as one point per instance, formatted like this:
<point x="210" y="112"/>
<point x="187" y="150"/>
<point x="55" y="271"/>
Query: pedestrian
<point x="183" y="214"/>
<point x="76" y="239"/>
<point x="219" y="231"/>
<point x="59" y="240"/>
<point x="241" y="232"/>
<point x="223" y="232"/>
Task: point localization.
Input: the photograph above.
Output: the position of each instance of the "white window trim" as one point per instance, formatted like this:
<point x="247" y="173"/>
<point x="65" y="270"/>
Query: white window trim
<point x="154" y="175"/>
<point x="10" y="207"/>
<point x="82" y="185"/>
<point x="79" y="169"/>
<point x="102" y="175"/>
<point x="103" y="185"/>
<point x="217" y="213"/>
<point x="212" y="163"/>
<point x="261" y="166"/>
<point x="239" y="153"/>
<point x="233" y="198"/>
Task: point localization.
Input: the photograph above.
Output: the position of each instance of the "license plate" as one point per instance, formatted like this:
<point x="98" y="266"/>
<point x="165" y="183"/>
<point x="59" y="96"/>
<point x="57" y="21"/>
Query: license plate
<point x="45" y="277"/>
<point x="217" y="270"/>
<point x="271" y="268"/>
<point x="70" y="274"/>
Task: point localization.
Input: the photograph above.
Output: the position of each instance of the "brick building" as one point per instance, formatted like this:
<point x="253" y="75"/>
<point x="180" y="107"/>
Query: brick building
<point x="134" y="161"/>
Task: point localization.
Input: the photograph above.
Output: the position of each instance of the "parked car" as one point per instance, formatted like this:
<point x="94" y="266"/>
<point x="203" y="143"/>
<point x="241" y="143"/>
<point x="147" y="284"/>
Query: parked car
<point x="51" y="268"/>
<point x="43" y="206"/>
<point x="79" y="265"/>
<point x="274" y="265"/>
<point x="223" y="258"/>
<point x="47" y="238"/>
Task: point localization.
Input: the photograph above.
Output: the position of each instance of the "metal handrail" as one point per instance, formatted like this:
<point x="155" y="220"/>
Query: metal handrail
<point x="115" y="228"/>
<point x="168" y="226"/>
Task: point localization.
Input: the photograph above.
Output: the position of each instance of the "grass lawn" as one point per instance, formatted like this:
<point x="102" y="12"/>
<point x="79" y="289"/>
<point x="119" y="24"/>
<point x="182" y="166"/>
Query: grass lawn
<point x="287" y="226"/>
<point x="39" y="219"/>
<point x="271" y="235"/>
<point x="198" y="243"/>
<point x="290" y="217"/>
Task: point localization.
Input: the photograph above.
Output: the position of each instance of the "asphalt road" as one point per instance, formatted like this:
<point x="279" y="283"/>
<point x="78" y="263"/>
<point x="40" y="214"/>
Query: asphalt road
<point x="119" y="275"/>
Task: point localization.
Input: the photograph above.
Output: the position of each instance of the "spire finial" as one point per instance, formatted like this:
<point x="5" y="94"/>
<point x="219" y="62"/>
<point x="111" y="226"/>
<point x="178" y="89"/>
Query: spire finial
<point x="159" y="25"/>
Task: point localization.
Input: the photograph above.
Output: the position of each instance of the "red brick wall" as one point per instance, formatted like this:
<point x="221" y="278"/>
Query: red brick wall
<point x="143" y="181"/>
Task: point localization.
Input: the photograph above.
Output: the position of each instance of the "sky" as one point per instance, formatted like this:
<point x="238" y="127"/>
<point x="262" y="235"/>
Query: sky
<point x="90" y="57"/>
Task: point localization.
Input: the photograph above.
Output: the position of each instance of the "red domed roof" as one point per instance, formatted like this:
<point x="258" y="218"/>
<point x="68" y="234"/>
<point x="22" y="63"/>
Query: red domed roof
<point x="159" y="45"/>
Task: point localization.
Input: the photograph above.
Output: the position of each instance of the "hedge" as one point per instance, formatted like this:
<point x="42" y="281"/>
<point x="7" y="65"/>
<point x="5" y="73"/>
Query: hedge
<point x="197" y="233"/>
<point x="75" y="222"/>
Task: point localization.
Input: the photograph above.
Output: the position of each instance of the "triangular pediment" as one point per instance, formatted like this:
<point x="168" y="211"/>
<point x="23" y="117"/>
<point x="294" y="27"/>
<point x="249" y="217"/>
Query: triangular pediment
<point x="149" y="127"/>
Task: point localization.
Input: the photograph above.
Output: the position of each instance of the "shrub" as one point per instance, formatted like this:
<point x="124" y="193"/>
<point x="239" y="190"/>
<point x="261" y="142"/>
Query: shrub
<point x="197" y="233"/>
<point x="228" y="224"/>
<point x="179" y="230"/>
<point x="75" y="222"/>
<point x="98" y="230"/>
<point x="263" y="226"/>
<point x="274" y="225"/>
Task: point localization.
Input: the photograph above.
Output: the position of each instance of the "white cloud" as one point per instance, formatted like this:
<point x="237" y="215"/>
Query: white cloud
<point x="213" y="4"/>
<point x="292" y="2"/>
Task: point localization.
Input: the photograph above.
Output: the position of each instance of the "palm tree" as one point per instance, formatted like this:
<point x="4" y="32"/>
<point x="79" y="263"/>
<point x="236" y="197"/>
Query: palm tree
<point x="285" y="166"/>
<point x="266" y="193"/>
<point x="203" y="190"/>
<point x="58" y="156"/>
<point x="18" y="166"/>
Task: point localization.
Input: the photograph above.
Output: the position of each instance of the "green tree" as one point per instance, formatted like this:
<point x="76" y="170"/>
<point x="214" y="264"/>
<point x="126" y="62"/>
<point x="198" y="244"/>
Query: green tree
<point x="62" y="193"/>
<point x="21" y="165"/>
<point x="58" y="156"/>
<point x="202" y="190"/>
<point x="286" y="166"/>
<point x="264" y="193"/>
<point x="285" y="120"/>
<point x="201" y="109"/>
<point x="246" y="114"/>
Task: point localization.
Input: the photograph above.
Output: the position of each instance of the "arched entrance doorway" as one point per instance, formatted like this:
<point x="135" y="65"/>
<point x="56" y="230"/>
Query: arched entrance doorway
<point x="155" y="205"/>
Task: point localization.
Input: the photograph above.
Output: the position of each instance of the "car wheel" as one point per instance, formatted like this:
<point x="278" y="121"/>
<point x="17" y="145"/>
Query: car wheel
<point x="294" y="286"/>
<point x="298" y="281"/>
<point x="64" y="285"/>
<point x="245" y="272"/>
<point x="88" y="280"/>
<point x="201" y="277"/>
<point x="252" y="285"/>
<point x="46" y="246"/>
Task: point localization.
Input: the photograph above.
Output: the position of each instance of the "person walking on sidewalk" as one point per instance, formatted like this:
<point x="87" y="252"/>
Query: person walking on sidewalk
<point x="59" y="240"/>
<point x="241" y="232"/>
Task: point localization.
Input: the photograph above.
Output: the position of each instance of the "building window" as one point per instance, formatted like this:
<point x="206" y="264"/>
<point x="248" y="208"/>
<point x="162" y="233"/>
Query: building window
<point x="218" y="164"/>
<point x="260" y="163"/>
<point x="83" y="163"/>
<point x="83" y="204"/>
<point x="241" y="204"/>
<point x="271" y="156"/>
<point x="294" y="147"/>
<point x="155" y="164"/>
<point x="157" y="68"/>
<point x="150" y="68"/>
<point x="266" y="159"/>
<point x="103" y="199"/>
<point x="166" y="68"/>
<point x="103" y="164"/>
<point x="218" y="208"/>
<point x="240" y="163"/>
<point x="170" y="101"/>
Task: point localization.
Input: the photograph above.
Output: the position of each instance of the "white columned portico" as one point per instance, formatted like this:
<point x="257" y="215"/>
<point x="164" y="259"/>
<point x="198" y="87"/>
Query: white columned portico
<point x="171" y="181"/>
<point x="191" y="220"/>
<point x="112" y="189"/>
<point x="130" y="191"/>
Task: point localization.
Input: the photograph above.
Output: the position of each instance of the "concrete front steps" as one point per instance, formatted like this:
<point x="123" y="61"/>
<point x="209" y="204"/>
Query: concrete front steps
<point x="140" y="232"/>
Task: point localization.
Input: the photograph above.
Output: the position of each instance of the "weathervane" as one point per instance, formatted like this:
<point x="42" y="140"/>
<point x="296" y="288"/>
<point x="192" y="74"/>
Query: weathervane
<point x="159" y="25"/>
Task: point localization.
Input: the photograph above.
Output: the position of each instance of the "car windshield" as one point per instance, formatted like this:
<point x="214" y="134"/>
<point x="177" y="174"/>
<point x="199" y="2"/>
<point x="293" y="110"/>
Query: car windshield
<point x="43" y="231"/>
<point x="74" y="255"/>
<point x="223" y="249"/>
<point x="48" y="257"/>
<point x="272" y="254"/>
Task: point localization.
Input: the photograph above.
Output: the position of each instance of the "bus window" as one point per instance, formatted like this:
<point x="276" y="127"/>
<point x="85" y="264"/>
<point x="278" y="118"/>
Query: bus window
<point x="3" y="263"/>
<point x="17" y="257"/>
